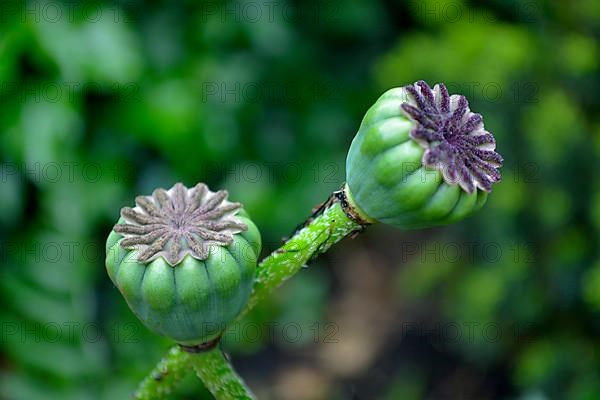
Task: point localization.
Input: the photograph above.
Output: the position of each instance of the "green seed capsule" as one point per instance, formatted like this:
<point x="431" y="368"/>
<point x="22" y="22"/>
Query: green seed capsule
<point x="421" y="158"/>
<point x="184" y="260"/>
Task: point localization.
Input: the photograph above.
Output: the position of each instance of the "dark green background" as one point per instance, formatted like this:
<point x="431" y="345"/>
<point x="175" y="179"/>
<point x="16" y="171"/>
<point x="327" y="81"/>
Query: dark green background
<point x="105" y="101"/>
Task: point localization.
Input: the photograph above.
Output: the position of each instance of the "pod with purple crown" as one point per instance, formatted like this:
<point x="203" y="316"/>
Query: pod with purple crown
<point x="421" y="158"/>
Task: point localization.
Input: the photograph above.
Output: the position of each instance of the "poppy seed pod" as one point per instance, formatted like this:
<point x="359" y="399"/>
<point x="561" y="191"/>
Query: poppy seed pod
<point x="421" y="158"/>
<point x="184" y="259"/>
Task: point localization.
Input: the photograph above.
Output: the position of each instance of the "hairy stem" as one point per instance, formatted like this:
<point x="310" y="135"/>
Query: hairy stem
<point x="219" y="376"/>
<point x="165" y="375"/>
<point x="333" y="221"/>
<point x="315" y="238"/>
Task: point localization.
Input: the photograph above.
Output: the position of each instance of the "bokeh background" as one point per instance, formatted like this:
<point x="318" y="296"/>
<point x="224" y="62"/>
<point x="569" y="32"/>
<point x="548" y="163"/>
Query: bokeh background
<point x="103" y="101"/>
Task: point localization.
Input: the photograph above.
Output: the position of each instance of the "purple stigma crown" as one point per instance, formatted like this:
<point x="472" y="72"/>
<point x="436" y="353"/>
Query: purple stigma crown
<point x="454" y="138"/>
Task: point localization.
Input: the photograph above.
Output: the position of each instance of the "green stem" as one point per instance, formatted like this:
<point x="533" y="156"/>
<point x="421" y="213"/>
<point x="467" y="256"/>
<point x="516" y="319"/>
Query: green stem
<point x="219" y="377"/>
<point x="327" y="227"/>
<point x="165" y="376"/>
<point x="315" y="238"/>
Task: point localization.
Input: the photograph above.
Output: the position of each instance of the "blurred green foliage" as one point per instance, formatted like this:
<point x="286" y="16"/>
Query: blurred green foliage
<point x="106" y="100"/>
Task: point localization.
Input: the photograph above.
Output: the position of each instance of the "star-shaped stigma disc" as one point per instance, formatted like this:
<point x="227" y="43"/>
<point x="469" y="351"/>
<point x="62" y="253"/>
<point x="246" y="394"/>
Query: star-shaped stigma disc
<point x="178" y="222"/>
<point x="454" y="138"/>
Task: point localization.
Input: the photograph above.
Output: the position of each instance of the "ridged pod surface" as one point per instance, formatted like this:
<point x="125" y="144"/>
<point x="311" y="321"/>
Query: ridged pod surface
<point x="397" y="174"/>
<point x="185" y="288"/>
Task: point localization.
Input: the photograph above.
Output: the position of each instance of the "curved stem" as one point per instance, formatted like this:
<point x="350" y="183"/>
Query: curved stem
<point x="329" y="224"/>
<point x="318" y="234"/>
<point x="219" y="376"/>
